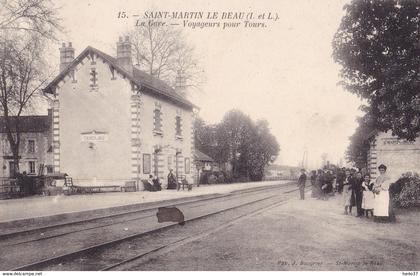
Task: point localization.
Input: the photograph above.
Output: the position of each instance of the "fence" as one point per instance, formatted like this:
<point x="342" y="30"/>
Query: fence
<point x="9" y="188"/>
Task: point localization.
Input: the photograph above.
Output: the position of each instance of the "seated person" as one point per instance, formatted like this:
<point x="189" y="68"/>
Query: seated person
<point x="148" y="184"/>
<point x="156" y="184"/>
<point x="171" y="180"/>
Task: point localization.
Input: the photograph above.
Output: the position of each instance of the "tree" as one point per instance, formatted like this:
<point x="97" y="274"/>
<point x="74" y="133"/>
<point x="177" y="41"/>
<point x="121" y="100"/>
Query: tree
<point x="233" y="135"/>
<point x="357" y="151"/>
<point x="163" y="52"/>
<point x="29" y="16"/>
<point x="21" y="77"/>
<point x="25" y="27"/>
<point x="262" y="150"/>
<point x="377" y="45"/>
<point x="246" y="145"/>
<point x="205" y="137"/>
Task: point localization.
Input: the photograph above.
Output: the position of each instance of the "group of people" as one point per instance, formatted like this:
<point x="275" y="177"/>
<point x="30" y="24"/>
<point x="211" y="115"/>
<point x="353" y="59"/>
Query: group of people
<point x="369" y="197"/>
<point x="154" y="183"/>
<point x="357" y="190"/>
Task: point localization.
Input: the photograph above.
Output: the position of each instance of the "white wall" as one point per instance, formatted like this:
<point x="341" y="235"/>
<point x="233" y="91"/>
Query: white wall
<point x="105" y="109"/>
<point x="400" y="156"/>
<point x="167" y="140"/>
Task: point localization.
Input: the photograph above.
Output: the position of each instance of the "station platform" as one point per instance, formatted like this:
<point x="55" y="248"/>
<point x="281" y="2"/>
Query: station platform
<point x="42" y="207"/>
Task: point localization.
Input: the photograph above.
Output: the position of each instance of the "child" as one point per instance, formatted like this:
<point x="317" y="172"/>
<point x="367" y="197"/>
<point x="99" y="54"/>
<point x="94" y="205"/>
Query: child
<point x="368" y="196"/>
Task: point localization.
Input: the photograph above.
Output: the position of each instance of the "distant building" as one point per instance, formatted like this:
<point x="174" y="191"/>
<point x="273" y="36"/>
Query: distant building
<point x="35" y="146"/>
<point x="113" y="123"/>
<point x="400" y="156"/>
<point x="203" y="163"/>
<point x="274" y="171"/>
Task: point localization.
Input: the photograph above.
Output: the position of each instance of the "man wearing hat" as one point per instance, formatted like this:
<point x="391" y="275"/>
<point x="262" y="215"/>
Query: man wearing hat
<point x="301" y="184"/>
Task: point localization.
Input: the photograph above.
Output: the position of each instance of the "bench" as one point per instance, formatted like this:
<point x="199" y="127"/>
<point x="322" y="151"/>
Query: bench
<point x="98" y="189"/>
<point x="129" y="186"/>
<point x="182" y="182"/>
<point x="9" y="189"/>
<point x="69" y="188"/>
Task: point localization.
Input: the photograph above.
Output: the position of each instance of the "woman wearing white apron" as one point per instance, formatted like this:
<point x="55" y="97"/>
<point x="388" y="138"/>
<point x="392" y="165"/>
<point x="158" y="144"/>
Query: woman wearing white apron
<point x="368" y="196"/>
<point x="382" y="206"/>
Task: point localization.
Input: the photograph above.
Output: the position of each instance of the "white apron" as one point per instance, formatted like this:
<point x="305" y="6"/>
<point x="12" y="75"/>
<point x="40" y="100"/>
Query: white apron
<point x="381" y="206"/>
<point x="368" y="199"/>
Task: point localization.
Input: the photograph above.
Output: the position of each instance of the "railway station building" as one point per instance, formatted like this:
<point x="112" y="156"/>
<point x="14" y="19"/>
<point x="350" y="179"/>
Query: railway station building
<point x="114" y="123"/>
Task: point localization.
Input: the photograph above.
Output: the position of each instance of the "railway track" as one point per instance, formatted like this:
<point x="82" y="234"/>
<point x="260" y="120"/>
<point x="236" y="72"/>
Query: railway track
<point x="134" y="208"/>
<point x="72" y="258"/>
<point x="67" y="228"/>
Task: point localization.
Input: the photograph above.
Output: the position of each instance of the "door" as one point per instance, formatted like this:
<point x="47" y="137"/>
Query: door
<point x="12" y="169"/>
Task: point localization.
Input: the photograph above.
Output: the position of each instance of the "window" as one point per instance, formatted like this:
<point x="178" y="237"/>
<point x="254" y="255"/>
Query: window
<point x="178" y="125"/>
<point x="31" y="167"/>
<point x="187" y="165"/>
<point x="147" y="163"/>
<point x="31" y="146"/>
<point x="157" y="120"/>
<point x="12" y="169"/>
<point x="93" y="78"/>
<point x="169" y="162"/>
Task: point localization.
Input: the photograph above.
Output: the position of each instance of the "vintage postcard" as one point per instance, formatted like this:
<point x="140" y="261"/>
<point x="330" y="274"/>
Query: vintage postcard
<point x="206" y="135"/>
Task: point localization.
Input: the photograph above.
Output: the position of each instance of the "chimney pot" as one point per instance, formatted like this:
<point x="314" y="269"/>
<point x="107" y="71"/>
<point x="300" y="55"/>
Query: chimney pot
<point x="66" y="55"/>
<point x="124" y="58"/>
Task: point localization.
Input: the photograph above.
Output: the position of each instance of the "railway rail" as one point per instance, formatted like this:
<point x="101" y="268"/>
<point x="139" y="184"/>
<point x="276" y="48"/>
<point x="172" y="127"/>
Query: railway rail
<point x="79" y="257"/>
<point x="41" y="233"/>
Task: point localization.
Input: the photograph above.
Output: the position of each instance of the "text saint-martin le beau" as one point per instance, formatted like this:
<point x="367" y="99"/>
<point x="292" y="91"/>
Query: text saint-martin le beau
<point x="192" y="15"/>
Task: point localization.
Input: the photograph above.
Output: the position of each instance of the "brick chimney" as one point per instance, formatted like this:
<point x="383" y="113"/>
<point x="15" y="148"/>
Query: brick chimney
<point x="66" y="55"/>
<point x="124" y="58"/>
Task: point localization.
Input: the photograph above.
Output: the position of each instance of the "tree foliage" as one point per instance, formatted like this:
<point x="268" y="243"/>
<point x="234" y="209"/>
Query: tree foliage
<point x="163" y="52"/>
<point x="407" y="190"/>
<point x="247" y="146"/>
<point x="378" y="46"/>
<point x="25" y="27"/>
<point x="34" y="17"/>
<point x="357" y="151"/>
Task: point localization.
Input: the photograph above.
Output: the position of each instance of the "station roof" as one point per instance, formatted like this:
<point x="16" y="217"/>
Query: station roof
<point x="152" y="84"/>
<point x="200" y="156"/>
<point x="27" y="124"/>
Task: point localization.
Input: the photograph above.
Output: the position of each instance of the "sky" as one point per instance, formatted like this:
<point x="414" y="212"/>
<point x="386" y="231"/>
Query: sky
<point x="283" y="73"/>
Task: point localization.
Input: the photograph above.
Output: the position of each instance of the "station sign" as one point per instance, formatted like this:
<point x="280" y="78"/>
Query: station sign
<point x="396" y="142"/>
<point x="94" y="136"/>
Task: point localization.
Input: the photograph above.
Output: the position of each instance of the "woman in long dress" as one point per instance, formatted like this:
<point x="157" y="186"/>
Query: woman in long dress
<point x="347" y="192"/>
<point x="382" y="207"/>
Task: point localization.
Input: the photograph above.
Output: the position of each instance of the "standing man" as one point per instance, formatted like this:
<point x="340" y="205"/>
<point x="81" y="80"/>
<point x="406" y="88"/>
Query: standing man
<point x="358" y="193"/>
<point x="313" y="183"/>
<point x="301" y="184"/>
